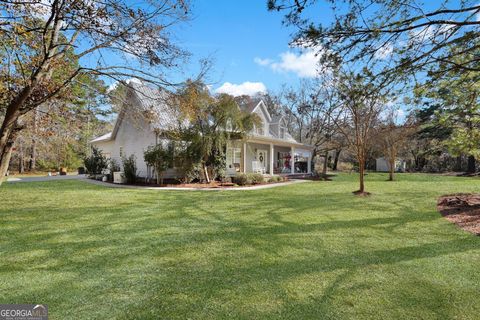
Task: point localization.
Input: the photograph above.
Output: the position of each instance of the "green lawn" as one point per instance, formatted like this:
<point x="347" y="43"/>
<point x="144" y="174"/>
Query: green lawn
<point x="303" y="251"/>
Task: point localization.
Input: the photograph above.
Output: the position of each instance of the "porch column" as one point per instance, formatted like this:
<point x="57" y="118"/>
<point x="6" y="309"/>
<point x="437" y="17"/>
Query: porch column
<point x="309" y="163"/>
<point x="271" y="159"/>
<point x="292" y="160"/>
<point x="244" y="158"/>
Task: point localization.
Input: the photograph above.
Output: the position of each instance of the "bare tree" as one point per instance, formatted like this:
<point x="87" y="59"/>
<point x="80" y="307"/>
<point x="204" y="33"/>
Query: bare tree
<point x="49" y="44"/>
<point x="361" y="102"/>
<point x="393" y="138"/>
<point x="311" y="114"/>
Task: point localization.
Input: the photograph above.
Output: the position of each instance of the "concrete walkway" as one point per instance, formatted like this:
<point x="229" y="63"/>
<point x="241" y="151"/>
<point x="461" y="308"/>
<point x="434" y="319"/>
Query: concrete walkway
<point x="14" y="179"/>
<point x="258" y="187"/>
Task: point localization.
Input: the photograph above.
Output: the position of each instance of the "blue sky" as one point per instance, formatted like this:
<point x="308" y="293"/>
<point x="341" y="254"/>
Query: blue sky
<point x="248" y="44"/>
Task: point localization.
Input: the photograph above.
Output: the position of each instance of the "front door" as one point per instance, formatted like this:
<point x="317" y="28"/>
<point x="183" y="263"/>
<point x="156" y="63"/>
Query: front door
<point x="262" y="158"/>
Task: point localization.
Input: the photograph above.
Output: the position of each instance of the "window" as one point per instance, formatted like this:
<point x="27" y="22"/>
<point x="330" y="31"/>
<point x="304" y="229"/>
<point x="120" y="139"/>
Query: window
<point x="259" y="129"/>
<point x="282" y="132"/>
<point x="121" y="152"/>
<point x="234" y="158"/>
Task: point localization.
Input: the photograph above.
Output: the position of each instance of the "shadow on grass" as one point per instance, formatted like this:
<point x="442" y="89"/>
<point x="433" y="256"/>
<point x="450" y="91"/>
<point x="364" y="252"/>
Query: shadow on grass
<point x="155" y="255"/>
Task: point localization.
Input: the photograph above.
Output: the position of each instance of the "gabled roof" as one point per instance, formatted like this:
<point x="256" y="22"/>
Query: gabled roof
<point x="247" y="104"/>
<point x="105" y="137"/>
<point x="152" y="103"/>
<point x="156" y="105"/>
<point x="157" y="102"/>
<point x="277" y="118"/>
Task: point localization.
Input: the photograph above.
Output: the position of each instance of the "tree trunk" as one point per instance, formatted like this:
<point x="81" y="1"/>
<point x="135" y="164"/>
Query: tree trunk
<point x="361" y="171"/>
<point x="21" y="160"/>
<point x="458" y="164"/>
<point x="6" y="153"/>
<point x="335" y="160"/>
<point x="205" y="172"/>
<point x="391" y="169"/>
<point x="7" y="138"/>
<point x="9" y="129"/>
<point x="33" y="151"/>
<point x="325" y="164"/>
<point x="471" y="164"/>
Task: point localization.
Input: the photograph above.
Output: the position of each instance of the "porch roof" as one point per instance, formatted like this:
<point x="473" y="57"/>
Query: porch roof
<point x="278" y="142"/>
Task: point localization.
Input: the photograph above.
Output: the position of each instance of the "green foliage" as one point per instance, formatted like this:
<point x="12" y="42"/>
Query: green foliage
<point x="95" y="162"/>
<point x="46" y="165"/>
<point x="452" y="110"/>
<point x="219" y="166"/>
<point x="212" y="122"/>
<point x="113" y="165"/>
<point x="159" y="158"/>
<point x="256" y="178"/>
<point x="243" y="179"/>
<point x="186" y="164"/>
<point x="130" y="168"/>
<point x="275" y="179"/>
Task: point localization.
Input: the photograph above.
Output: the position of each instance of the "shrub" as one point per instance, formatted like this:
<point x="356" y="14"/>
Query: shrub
<point x="130" y="169"/>
<point x="113" y="165"/>
<point x="275" y="179"/>
<point x="194" y="172"/>
<point x="243" y="179"/>
<point x="256" y="178"/>
<point x="95" y="162"/>
<point x="159" y="158"/>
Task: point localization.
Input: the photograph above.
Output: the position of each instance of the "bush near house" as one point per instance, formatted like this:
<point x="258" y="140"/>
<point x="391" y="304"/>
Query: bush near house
<point x="160" y="159"/>
<point x="96" y="162"/>
<point x="242" y="179"/>
<point x="130" y="168"/>
<point x="256" y="178"/>
<point x="276" y="179"/>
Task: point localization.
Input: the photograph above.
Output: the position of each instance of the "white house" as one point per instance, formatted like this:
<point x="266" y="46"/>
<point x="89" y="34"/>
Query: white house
<point x="382" y="165"/>
<point x="269" y="148"/>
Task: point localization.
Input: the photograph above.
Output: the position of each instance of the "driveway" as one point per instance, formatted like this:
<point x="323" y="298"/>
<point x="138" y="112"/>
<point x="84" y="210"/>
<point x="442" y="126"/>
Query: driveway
<point x="46" y="178"/>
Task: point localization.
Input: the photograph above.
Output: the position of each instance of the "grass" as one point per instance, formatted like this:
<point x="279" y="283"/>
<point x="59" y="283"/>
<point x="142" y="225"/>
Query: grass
<point x="306" y="251"/>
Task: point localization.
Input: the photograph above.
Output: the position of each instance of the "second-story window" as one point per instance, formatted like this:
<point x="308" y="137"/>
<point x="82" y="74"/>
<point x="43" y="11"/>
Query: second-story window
<point x="282" y="132"/>
<point x="259" y="129"/>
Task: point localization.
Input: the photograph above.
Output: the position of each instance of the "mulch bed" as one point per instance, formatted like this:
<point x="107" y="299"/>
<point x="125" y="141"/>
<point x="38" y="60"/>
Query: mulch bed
<point x="213" y="184"/>
<point x="463" y="209"/>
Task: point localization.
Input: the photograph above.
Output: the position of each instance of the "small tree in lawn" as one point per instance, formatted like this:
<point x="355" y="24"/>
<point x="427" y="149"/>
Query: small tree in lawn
<point x="361" y="102"/>
<point x="393" y="140"/>
<point x="159" y="158"/>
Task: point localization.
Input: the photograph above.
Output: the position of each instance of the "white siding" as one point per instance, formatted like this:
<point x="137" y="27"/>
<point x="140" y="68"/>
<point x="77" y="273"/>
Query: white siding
<point x="382" y="165"/>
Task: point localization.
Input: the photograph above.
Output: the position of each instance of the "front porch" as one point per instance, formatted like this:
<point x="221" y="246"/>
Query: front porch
<point x="268" y="158"/>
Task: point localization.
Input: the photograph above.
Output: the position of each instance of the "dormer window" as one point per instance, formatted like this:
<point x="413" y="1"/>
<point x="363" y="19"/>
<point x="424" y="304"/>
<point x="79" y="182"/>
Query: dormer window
<point x="282" y="133"/>
<point x="259" y="129"/>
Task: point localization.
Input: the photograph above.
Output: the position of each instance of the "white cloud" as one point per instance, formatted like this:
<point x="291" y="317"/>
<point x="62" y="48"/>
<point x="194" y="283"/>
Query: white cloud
<point x="246" y="88"/>
<point x="303" y="64"/>
<point x="400" y="114"/>
<point x="384" y="52"/>
<point x="262" y="62"/>
<point x="114" y="85"/>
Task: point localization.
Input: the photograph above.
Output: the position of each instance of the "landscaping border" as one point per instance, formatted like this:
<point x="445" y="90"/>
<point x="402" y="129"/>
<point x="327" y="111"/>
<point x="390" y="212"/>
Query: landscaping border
<point x="256" y="187"/>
